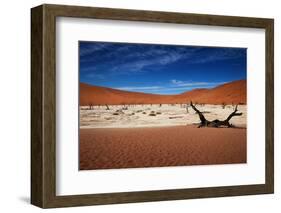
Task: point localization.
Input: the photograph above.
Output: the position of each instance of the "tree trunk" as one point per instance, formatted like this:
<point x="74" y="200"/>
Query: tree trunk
<point x="215" y="123"/>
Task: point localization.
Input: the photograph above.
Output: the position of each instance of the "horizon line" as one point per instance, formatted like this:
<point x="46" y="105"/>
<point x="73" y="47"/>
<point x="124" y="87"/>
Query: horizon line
<point x="196" y="88"/>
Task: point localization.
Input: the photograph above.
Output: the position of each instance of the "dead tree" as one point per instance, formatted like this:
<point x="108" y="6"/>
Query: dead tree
<point x="90" y="106"/>
<point x="107" y="108"/>
<point x="215" y="123"/>
<point x="187" y="111"/>
<point x="233" y="105"/>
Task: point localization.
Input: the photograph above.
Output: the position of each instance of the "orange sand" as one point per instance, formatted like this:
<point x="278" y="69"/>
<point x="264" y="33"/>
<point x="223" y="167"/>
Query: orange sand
<point x="110" y="148"/>
<point x="230" y="93"/>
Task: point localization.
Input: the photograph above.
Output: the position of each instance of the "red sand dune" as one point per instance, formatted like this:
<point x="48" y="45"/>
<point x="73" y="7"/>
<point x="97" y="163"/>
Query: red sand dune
<point x="233" y="92"/>
<point x="160" y="146"/>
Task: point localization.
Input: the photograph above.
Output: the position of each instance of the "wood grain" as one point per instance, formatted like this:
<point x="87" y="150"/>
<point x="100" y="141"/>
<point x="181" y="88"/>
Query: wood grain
<point x="36" y="107"/>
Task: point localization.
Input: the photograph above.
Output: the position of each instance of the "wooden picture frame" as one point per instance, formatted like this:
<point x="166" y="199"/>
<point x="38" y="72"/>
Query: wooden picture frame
<point x="43" y="105"/>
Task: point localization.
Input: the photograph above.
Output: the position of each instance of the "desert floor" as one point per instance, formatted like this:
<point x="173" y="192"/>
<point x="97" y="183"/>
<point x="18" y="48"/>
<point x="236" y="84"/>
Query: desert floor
<point x="110" y="148"/>
<point x="154" y="136"/>
<point x="155" y="115"/>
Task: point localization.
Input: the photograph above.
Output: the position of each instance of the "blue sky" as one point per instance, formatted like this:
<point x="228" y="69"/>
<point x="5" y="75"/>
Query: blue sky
<point x="159" y="69"/>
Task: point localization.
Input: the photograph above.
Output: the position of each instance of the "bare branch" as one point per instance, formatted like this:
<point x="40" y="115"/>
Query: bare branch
<point x="216" y="122"/>
<point x="234" y="113"/>
<point x="201" y="116"/>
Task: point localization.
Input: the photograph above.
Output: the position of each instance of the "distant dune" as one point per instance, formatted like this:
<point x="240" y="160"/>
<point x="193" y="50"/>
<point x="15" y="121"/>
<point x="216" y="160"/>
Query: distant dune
<point x="233" y="92"/>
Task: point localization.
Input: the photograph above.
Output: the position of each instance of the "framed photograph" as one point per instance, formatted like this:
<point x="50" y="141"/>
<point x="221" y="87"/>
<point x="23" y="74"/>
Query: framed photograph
<point x="137" y="106"/>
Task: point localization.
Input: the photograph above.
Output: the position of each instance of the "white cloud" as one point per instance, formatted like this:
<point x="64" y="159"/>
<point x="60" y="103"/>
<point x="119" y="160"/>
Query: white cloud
<point x="139" y="88"/>
<point x="179" y="83"/>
